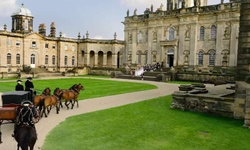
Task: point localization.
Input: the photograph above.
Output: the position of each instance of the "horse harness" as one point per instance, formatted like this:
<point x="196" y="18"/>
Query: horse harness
<point x="24" y="115"/>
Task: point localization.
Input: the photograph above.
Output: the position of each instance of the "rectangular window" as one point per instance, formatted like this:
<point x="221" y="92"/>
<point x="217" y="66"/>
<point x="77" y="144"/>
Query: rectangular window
<point x="46" y="45"/>
<point x="9" y="42"/>
<point x="18" y="59"/>
<point x="53" y="60"/>
<point x="66" y="47"/>
<point x="73" y="48"/>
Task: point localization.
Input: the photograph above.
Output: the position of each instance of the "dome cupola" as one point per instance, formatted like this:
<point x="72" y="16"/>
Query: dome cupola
<point x="22" y="21"/>
<point x="22" y="11"/>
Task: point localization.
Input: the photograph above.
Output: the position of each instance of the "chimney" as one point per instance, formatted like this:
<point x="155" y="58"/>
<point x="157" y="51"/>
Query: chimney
<point x="53" y="30"/>
<point x="42" y="29"/>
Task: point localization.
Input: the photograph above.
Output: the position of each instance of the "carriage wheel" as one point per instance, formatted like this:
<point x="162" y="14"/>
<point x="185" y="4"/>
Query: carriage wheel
<point x="38" y="116"/>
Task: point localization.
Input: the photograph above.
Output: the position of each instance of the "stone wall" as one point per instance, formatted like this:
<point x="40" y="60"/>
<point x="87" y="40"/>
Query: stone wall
<point x="204" y="77"/>
<point x="222" y="106"/>
<point x="242" y="102"/>
<point x="234" y="104"/>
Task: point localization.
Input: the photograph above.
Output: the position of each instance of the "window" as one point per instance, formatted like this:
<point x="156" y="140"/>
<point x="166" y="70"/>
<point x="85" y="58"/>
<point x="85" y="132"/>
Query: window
<point x="9" y="42"/>
<point x="73" y="48"/>
<point x="46" y="60"/>
<point x="32" y="59"/>
<point x="53" y="60"/>
<point x="139" y="57"/>
<point x="200" y="58"/>
<point x="46" y="45"/>
<point x="8" y="58"/>
<point x="202" y="33"/>
<point x="65" y="60"/>
<point x="53" y="46"/>
<point x="73" y="60"/>
<point x="213" y="32"/>
<point x="147" y="36"/>
<point x="17" y="58"/>
<point x="33" y="44"/>
<point x="211" y="57"/>
<point x="66" y="47"/>
<point x="26" y="24"/>
<point x="171" y="33"/>
<point x="18" y="44"/>
<point x="139" y="37"/>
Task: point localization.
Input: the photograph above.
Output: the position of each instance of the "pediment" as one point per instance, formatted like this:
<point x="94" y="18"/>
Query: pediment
<point x="34" y="35"/>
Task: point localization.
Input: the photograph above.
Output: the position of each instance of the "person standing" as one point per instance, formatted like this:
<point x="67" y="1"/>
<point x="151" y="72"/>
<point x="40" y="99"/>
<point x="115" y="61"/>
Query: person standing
<point x="29" y="86"/>
<point x="19" y="86"/>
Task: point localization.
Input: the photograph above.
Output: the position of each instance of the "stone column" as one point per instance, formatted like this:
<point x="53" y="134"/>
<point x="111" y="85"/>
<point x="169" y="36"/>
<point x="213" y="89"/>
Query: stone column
<point x="243" y="60"/>
<point x="105" y="59"/>
<point x="96" y="60"/>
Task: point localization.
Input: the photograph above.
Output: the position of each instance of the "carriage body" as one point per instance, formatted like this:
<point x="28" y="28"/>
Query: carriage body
<point x="11" y="102"/>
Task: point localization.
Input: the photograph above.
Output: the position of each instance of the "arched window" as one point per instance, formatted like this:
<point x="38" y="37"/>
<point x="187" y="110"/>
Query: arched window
<point x="200" y="58"/>
<point x="213" y="32"/>
<point x="32" y="59"/>
<point x="66" y="60"/>
<point x="211" y="57"/>
<point x="73" y="60"/>
<point x="171" y="33"/>
<point x="46" y="59"/>
<point x="202" y="33"/>
<point x="17" y="58"/>
<point x="8" y="58"/>
<point x="53" y="60"/>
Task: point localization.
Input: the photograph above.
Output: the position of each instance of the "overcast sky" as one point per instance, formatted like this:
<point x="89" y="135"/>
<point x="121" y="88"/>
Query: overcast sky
<point x="101" y="18"/>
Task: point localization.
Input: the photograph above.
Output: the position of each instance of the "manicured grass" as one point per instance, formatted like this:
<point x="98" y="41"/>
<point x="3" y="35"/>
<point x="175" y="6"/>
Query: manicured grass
<point x="148" y="125"/>
<point x="93" y="87"/>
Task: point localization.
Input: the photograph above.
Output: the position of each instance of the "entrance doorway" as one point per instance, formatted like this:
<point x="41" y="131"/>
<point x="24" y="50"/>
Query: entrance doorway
<point x="170" y="58"/>
<point x="32" y="61"/>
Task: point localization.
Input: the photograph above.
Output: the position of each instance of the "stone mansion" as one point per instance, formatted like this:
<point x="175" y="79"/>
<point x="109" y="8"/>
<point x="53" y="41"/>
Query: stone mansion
<point x="189" y="34"/>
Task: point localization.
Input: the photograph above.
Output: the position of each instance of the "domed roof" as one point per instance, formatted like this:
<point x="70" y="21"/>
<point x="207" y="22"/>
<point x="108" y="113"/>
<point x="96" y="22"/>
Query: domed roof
<point x="22" y="11"/>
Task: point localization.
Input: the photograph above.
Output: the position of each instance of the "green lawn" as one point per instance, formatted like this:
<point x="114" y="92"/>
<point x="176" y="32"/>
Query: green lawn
<point x="93" y="87"/>
<point x="148" y="125"/>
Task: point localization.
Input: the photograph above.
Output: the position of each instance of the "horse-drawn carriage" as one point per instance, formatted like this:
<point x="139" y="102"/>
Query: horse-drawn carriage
<point x="11" y="103"/>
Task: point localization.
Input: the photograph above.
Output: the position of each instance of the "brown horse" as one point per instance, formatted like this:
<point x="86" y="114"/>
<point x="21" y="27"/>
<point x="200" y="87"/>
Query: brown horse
<point x="71" y="95"/>
<point x="50" y="101"/>
<point x="38" y="98"/>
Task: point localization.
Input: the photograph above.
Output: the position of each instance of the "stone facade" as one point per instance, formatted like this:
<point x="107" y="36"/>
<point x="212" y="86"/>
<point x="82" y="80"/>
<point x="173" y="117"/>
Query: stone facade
<point x="23" y="48"/>
<point x="186" y="35"/>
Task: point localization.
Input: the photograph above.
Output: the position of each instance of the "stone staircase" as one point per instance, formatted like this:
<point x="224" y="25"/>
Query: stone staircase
<point x="42" y="72"/>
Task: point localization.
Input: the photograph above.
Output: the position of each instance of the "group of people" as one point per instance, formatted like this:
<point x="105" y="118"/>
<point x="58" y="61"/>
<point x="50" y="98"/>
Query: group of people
<point x="27" y="110"/>
<point x="28" y="85"/>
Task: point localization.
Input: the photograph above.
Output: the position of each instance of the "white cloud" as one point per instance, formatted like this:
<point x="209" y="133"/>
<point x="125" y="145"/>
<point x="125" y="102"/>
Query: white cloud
<point x="7" y="7"/>
<point x="98" y="37"/>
